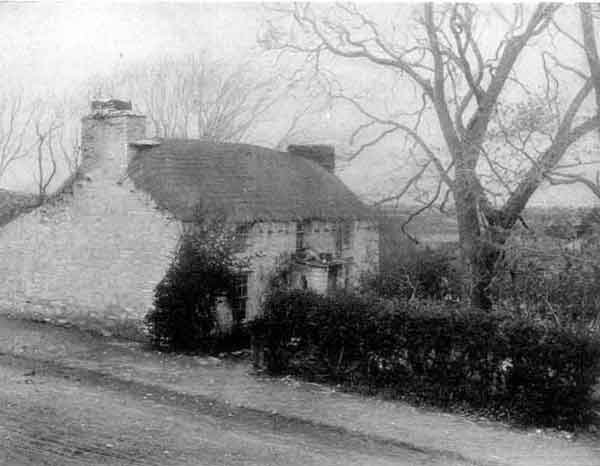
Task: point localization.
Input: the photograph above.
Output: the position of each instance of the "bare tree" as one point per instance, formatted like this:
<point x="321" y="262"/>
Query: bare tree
<point x="461" y="81"/>
<point x="229" y="104"/>
<point x="302" y="127"/>
<point x="15" y="122"/>
<point x="57" y="146"/>
<point x="195" y="97"/>
<point x="45" y="156"/>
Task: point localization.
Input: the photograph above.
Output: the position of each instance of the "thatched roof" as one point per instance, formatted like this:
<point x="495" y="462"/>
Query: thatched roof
<point x="246" y="183"/>
<point x="13" y="203"/>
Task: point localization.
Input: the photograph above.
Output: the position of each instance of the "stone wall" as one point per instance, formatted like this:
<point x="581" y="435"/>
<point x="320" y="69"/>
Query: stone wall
<point x="316" y="278"/>
<point x="320" y="236"/>
<point x="269" y="243"/>
<point x="92" y="257"/>
<point x="362" y="247"/>
<point x="82" y="259"/>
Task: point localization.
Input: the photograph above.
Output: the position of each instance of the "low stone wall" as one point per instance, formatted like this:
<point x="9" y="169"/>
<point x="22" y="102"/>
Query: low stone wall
<point x="111" y="321"/>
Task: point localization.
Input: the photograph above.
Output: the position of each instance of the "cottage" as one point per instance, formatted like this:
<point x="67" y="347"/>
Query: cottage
<point x="100" y="245"/>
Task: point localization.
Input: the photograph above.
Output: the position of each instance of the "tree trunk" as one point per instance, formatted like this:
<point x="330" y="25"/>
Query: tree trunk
<point x="479" y="257"/>
<point x="486" y="259"/>
<point x="480" y="245"/>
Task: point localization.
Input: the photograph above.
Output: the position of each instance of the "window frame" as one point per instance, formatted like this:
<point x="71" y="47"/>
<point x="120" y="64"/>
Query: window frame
<point x="242" y="236"/>
<point x="347" y="234"/>
<point x="300" y="236"/>
<point x="343" y="236"/>
<point x="239" y="297"/>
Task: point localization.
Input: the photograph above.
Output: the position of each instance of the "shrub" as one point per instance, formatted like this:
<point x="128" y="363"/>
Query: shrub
<point x="203" y="270"/>
<point x="417" y="273"/>
<point x="436" y="353"/>
<point x="183" y="317"/>
<point x="564" y="291"/>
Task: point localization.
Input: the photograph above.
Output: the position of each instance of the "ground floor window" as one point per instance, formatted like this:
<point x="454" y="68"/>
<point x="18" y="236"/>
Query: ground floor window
<point x="343" y="237"/>
<point x="333" y="276"/>
<point x="300" y="230"/>
<point x="239" y="297"/>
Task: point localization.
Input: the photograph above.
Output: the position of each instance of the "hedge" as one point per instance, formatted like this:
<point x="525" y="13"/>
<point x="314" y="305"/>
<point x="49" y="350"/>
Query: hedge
<point x="534" y="373"/>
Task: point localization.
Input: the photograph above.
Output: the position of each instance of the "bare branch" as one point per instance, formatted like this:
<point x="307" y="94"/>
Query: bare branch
<point x="428" y="205"/>
<point x="514" y="46"/>
<point x="590" y="47"/>
<point x="15" y="123"/>
<point x="350" y="48"/>
<point x="438" y="94"/>
<point x="193" y="97"/>
<point x="410" y="132"/>
<point x="556" y="178"/>
<point x="406" y="187"/>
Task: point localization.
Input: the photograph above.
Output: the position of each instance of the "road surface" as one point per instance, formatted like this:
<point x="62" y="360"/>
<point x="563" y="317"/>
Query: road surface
<point x="49" y="417"/>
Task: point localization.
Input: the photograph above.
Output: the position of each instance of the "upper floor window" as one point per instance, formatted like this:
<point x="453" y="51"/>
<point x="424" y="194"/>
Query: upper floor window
<point x="347" y="234"/>
<point x="241" y="237"/>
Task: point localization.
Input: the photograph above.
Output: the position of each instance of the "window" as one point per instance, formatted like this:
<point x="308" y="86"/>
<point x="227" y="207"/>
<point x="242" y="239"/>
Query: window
<point x="339" y="241"/>
<point x="333" y="274"/>
<point x="343" y="232"/>
<point x="300" y="236"/>
<point x="346" y="234"/>
<point x="240" y="240"/>
<point x="347" y="276"/>
<point x="240" y="297"/>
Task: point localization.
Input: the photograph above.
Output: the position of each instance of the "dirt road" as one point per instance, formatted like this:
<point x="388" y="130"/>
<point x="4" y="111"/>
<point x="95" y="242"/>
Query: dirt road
<point x="204" y="410"/>
<point x="49" y="417"/>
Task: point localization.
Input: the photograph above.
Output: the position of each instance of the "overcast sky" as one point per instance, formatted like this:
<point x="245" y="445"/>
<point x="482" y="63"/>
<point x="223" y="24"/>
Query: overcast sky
<point x="52" y="47"/>
<point x="55" y="45"/>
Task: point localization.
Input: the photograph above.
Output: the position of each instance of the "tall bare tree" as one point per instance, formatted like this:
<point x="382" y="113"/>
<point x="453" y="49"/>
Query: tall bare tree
<point x="15" y="123"/>
<point x="57" y="148"/>
<point x="195" y="97"/>
<point x="462" y="70"/>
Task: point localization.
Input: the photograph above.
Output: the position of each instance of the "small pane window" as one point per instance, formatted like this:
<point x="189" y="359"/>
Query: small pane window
<point x="242" y="234"/>
<point x="346" y="234"/>
<point x="240" y="297"/>
<point x="339" y="241"/>
<point x="343" y="237"/>
<point x="299" y="236"/>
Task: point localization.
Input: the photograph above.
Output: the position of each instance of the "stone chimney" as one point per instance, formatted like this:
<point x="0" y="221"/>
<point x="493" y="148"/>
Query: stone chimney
<point x="324" y="155"/>
<point x="105" y="135"/>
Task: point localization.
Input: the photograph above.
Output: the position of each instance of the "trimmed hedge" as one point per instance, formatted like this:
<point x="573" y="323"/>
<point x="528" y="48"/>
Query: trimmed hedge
<point x="442" y="355"/>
